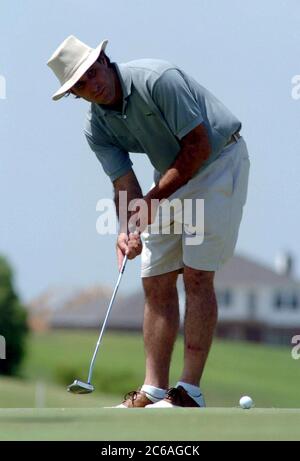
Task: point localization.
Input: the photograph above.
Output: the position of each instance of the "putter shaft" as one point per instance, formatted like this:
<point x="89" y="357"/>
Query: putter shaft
<point x="106" y="318"/>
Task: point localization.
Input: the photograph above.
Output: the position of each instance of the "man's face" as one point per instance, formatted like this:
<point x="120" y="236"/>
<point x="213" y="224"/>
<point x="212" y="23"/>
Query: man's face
<point x="97" y="85"/>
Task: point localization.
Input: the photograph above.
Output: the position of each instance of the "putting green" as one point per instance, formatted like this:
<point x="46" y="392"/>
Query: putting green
<point x="149" y="424"/>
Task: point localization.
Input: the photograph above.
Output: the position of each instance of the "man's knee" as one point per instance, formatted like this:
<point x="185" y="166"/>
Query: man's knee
<point x="160" y="286"/>
<point x="195" y="279"/>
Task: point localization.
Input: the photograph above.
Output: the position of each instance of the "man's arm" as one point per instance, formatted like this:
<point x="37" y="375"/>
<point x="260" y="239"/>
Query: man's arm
<point x="195" y="150"/>
<point x="127" y="243"/>
<point x="129" y="184"/>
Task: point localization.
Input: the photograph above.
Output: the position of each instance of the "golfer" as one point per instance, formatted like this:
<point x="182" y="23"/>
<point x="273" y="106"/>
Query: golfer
<point x="194" y="143"/>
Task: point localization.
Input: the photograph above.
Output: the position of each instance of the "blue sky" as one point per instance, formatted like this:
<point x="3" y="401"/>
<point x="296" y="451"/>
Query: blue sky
<point x="244" y="52"/>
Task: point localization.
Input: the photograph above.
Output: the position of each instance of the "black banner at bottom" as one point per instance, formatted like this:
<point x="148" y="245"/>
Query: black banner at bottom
<point x="123" y="449"/>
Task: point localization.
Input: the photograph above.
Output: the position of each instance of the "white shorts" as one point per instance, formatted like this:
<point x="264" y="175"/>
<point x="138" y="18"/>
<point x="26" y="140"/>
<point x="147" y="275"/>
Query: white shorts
<point x="223" y="185"/>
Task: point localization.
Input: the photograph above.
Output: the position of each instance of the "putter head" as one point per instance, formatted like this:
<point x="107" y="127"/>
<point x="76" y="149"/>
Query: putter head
<point x="79" y="387"/>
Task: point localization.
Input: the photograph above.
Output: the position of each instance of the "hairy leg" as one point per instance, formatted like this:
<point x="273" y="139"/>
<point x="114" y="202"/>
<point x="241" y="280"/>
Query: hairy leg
<point x="161" y="323"/>
<point x="200" y="322"/>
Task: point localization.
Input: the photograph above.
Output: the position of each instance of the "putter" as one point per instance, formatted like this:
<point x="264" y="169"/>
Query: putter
<point x="80" y="387"/>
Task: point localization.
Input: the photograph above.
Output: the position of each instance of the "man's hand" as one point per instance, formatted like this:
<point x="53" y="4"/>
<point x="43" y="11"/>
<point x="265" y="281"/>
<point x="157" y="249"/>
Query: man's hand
<point x="129" y="245"/>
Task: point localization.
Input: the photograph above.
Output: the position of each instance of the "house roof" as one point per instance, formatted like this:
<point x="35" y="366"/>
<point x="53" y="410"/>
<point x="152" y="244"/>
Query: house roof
<point x="127" y="312"/>
<point x="243" y="270"/>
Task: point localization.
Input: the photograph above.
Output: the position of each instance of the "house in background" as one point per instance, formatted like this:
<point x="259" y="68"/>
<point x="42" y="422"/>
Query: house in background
<point x="256" y="303"/>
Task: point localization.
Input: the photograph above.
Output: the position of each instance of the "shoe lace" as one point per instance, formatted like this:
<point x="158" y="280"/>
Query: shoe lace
<point x="131" y="395"/>
<point x="174" y="395"/>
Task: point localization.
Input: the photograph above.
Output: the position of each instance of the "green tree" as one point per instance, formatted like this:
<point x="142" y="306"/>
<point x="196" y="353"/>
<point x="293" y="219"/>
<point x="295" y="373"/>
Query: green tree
<point x="13" y="321"/>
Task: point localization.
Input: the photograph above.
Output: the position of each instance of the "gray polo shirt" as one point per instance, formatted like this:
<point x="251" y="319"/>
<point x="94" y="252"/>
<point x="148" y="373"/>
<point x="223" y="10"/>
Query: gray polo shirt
<point x="161" y="104"/>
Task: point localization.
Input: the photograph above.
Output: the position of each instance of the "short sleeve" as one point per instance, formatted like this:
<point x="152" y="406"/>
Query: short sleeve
<point x="114" y="160"/>
<point x="178" y="106"/>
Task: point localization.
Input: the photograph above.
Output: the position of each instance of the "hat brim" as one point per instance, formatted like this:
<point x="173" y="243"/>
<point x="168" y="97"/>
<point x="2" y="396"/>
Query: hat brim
<point x="91" y="59"/>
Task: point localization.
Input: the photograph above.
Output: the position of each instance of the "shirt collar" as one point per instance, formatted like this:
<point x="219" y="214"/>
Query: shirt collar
<point x="125" y="78"/>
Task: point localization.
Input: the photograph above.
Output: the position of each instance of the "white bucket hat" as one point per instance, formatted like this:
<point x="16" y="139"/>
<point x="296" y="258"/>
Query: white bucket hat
<point x="71" y="60"/>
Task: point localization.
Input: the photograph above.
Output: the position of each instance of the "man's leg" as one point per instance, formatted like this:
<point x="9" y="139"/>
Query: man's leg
<point x="161" y="323"/>
<point x="200" y="322"/>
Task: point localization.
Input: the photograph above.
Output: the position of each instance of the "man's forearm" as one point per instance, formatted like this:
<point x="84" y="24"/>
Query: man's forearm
<point x="126" y="188"/>
<point x="169" y="183"/>
<point x="195" y="150"/>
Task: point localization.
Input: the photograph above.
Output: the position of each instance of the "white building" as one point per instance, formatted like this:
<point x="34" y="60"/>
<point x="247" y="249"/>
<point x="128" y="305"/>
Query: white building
<point x="256" y="302"/>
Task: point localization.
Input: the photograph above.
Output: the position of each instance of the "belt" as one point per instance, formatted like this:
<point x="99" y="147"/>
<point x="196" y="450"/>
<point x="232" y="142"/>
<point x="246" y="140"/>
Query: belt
<point x="234" y="138"/>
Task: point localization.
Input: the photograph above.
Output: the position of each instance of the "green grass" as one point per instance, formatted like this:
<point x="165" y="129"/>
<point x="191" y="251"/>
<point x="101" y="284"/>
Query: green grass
<point x="146" y="424"/>
<point x="268" y="374"/>
<point x="17" y="393"/>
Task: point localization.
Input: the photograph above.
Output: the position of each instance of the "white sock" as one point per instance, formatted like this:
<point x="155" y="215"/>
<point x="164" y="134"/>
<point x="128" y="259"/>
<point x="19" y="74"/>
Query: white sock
<point x="155" y="394"/>
<point x="193" y="391"/>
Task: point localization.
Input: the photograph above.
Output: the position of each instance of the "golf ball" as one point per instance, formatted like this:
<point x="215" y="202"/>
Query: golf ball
<point x="246" y="402"/>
